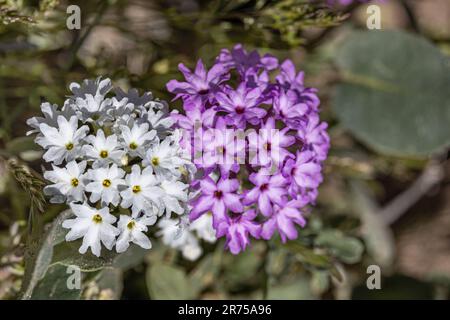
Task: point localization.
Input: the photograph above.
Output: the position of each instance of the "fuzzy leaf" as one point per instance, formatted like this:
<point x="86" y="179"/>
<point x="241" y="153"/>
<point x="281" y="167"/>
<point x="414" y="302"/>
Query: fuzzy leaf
<point x="165" y="282"/>
<point x="395" y="93"/>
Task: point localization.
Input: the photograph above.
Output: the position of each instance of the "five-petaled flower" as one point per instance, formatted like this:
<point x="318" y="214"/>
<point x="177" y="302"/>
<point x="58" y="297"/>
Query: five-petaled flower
<point x="284" y="144"/>
<point x="97" y="146"/>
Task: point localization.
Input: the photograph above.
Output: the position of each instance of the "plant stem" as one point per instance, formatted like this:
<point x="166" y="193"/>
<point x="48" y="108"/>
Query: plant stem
<point x="266" y="276"/>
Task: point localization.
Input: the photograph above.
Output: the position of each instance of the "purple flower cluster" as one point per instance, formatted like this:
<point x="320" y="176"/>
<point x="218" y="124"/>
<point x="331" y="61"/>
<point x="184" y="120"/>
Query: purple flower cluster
<point x="252" y="199"/>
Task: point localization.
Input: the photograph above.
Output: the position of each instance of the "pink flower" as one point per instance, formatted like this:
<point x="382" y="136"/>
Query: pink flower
<point x="217" y="197"/>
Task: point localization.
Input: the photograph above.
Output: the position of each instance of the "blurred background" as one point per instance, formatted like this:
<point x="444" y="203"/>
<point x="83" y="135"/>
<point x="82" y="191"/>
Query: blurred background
<point x="385" y="199"/>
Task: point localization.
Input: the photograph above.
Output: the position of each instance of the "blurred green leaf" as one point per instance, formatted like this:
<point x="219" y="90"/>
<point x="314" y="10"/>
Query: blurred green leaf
<point x="54" y="254"/>
<point x="276" y="261"/>
<point x="131" y="258"/>
<point x="206" y="271"/>
<point x="165" y="282"/>
<point x="320" y="282"/>
<point x="292" y="289"/>
<point x="110" y="283"/>
<point x="345" y="248"/>
<point x="395" y="93"/>
<point x="291" y="17"/>
<point x="54" y="286"/>
<point x="242" y="270"/>
<point x="315" y="260"/>
<point x="41" y="257"/>
<point x="21" y="144"/>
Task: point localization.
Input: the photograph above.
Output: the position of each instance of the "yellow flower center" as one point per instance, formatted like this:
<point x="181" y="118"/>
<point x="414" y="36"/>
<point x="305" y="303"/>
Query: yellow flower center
<point x="133" y="146"/>
<point x="97" y="218"/>
<point x="69" y="146"/>
<point x="104" y="154"/>
<point x="131" y="224"/>
<point x="106" y="183"/>
<point x="155" y="161"/>
<point x="136" y="189"/>
<point x="74" y="182"/>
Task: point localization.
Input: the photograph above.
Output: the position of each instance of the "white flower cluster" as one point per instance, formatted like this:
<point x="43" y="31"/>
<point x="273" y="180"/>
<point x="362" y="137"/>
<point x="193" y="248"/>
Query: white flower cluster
<point x="112" y="157"/>
<point x="183" y="236"/>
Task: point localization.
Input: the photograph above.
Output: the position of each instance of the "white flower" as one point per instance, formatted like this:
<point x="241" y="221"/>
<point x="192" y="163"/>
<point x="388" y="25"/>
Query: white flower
<point x="121" y="109"/>
<point x="64" y="142"/>
<point x="104" y="185"/>
<point x="133" y="96"/>
<point x="164" y="158"/>
<point x="159" y="119"/>
<point x="178" y="237"/>
<point x="68" y="182"/>
<point x="88" y="100"/>
<point x="93" y="108"/>
<point x="174" y="191"/>
<point x="103" y="150"/>
<point x="191" y="250"/>
<point x="91" y="142"/>
<point x="203" y="227"/>
<point x="136" y="138"/>
<point x="97" y="87"/>
<point x="132" y="230"/>
<point x="50" y="118"/>
<point x="142" y="192"/>
<point x="94" y="226"/>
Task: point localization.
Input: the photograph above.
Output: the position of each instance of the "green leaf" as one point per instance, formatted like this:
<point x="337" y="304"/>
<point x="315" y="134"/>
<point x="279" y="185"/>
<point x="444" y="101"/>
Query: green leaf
<point x="40" y="257"/>
<point x="347" y="249"/>
<point x="67" y="254"/>
<point x="206" y="271"/>
<point x="242" y="270"/>
<point x="165" y="282"/>
<point x="297" y="288"/>
<point x="110" y="283"/>
<point x="310" y="258"/>
<point x="54" y="286"/>
<point x="53" y="254"/>
<point x="277" y="261"/>
<point x="320" y="282"/>
<point x="22" y="144"/>
<point x="395" y="94"/>
<point x="131" y="258"/>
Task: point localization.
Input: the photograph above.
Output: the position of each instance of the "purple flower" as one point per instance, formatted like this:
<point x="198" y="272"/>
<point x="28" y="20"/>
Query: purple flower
<point x="284" y="220"/>
<point x="217" y="197"/>
<point x="195" y="118"/>
<point x="221" y="147"/>
<point x="240" y="105"/>
<point x="198" y="84"/>
<point x="263" y="131"/>
<point x="288" y="109"/>
<point x="268" y="190"/>
<point x="270" y="144"/>
<point x="237" y="230"/>
<point x="244" y="62"/>
<point x="304" y="172"/>
<point x="288" y="78"/>
<point x="315" y="137"/>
